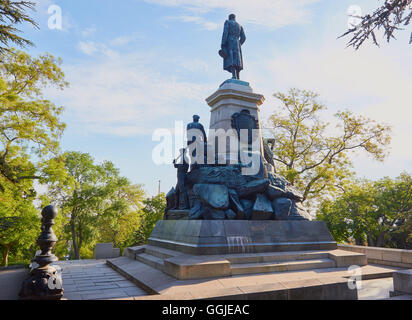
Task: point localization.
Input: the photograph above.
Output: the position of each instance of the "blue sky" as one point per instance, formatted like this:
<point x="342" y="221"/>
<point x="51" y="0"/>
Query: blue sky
<point x="138" y="65"/>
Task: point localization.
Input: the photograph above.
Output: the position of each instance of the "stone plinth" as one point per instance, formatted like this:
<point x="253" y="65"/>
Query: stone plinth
<point x="232" y="97"/>
<point x="106" y="251"/>
<point x="207" y="237"/>
<point x="402" y="281"/>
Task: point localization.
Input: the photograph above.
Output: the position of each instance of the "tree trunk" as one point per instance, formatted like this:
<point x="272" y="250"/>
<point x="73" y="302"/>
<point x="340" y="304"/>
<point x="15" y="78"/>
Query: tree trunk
<point x="75" y="247"/>
<point x="79" y="245"/>
<point x="359" y="241"/>
<point x="6" y="255"/>
<point x="380" y="241"/>
<point x="371" y="240"/>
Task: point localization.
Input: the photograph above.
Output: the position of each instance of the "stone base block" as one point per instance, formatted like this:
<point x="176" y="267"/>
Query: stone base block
<point x="132" y="251"/>
<point x="346" y="258"/>
<point x="209" y="237"/>
<point x="402" y="281"/>
<point x="106" y="251"/>
<point x="184" y="268"/>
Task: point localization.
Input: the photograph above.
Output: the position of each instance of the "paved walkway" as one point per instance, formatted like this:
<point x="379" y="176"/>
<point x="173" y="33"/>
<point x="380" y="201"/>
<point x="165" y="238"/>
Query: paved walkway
<point x="93" y="279"/>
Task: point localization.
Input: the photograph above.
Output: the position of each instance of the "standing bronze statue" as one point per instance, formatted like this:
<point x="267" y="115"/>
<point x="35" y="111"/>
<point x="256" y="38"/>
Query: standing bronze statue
<point x="182" y="167"/>
<point x="195" y="125"/>
<point x="196" y="138"/>
<point x="231" y="51"/>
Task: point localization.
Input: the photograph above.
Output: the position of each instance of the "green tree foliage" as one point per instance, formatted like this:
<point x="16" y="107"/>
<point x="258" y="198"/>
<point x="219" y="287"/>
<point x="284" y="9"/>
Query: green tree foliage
<point x="377" y="213"/>
<point x="121" y="220"/>
<point x="29" y="123"/>
<point x="91" y="196"/>
<point x="151" y="213"/>
<point x="391" y="16"/>
<point x="312" y="158"/>
<point x="19" y="223"/>
<point x="11" y="14"/>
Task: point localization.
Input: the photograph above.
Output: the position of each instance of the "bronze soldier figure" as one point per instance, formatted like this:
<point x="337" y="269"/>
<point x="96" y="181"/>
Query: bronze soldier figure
<point x="182" y="169"/>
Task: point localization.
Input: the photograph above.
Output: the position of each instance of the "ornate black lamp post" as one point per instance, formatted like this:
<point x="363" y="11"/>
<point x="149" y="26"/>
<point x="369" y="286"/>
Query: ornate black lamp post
<point x="45" y="281"/>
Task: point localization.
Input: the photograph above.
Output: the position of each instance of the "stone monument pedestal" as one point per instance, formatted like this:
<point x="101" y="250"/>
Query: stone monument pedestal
<point x="211" y="237"/>
<point x="197" y="259"/>
<point x="233" y="96"/>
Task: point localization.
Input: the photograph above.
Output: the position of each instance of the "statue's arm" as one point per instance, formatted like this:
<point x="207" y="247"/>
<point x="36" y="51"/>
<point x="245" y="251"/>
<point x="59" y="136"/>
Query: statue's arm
<point x="225" y="33"/>
<point x="242" y="36"/>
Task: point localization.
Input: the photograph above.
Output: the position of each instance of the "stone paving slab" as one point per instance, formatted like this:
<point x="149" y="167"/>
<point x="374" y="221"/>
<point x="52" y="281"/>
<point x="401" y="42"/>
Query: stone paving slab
<point x="93" y="280"/>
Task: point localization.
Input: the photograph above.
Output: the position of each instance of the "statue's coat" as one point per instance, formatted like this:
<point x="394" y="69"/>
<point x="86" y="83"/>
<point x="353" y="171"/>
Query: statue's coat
<point x="232" y="41"/>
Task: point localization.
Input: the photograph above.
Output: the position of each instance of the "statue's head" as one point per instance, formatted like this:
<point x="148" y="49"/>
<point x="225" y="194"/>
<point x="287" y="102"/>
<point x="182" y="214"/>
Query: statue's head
<point x="232" y="16"/>
<point x="196" y="118"/>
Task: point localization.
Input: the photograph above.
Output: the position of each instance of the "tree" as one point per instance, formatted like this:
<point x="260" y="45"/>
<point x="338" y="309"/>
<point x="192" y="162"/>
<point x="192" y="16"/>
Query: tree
<point x="90" y="195"/>
<point x="393" y="202"/>
<point x="390" y="17"/>
<point x="19" y="223"/>
<point x="347" y="217"/>
<point x="121" y="220"/>
<point x="308" y="155"/>
<point x="29" y="123"/>
<point x="12" y="13"/>
<point x="151" y="213"/>
<point x="379" y="213"/>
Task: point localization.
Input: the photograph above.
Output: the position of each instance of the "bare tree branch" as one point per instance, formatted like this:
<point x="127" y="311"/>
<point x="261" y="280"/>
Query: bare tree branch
<point x="392" y="16"/>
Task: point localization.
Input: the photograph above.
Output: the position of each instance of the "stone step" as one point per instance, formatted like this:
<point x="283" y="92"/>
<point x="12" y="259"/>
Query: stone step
<point x="131" y="252"/>
<point x="282" y="266"/>
<point x="160" y="252"/>
<point x="154" y="281"/>
<point x="276" y="256"/>
<point x="150" y="260"/>
<point x="144" y="276"/>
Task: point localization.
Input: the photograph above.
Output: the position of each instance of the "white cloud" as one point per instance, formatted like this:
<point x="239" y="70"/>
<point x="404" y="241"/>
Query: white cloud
<point x="205" y="24"/>
<point x="374" y="82"/>
<point x="88" y="31"/>
<point x="91" y="48"/>
<point x="269" y="13"/>
<point x="121" y="41"/>
<point x="88" y="47"/>
<point x="194" y="65"/>
<point x="125" y="94"/>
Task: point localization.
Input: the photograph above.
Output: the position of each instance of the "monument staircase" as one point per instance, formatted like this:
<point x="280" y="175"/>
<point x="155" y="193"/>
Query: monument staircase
<point x="283" y="273"/>
<point x="187" y="256"/>
<point x="184" y="266"/>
